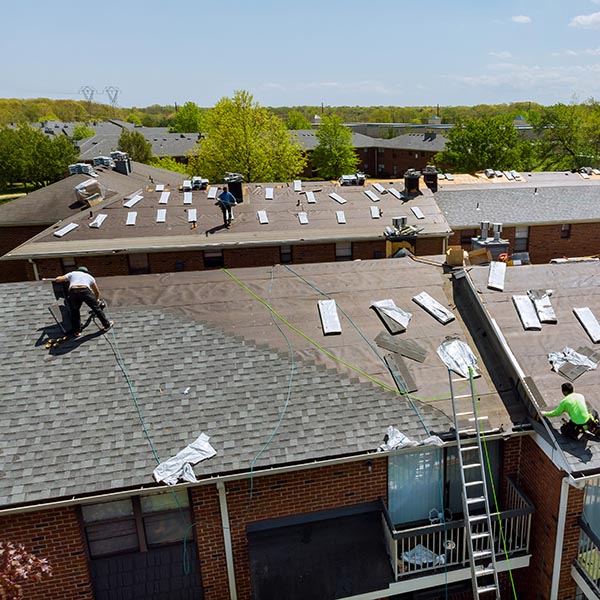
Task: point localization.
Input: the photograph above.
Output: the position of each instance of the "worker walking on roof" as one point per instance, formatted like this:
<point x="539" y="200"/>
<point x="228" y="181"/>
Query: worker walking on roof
<point x="574" y="405"/>
<point x="83" y="288"/>
<point x="227" y="201"/>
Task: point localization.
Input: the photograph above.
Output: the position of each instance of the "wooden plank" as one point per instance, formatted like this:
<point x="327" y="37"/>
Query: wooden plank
<point x="329" y="317"/>
<point x="400" y="373"/>
<point x="405" y="347"/>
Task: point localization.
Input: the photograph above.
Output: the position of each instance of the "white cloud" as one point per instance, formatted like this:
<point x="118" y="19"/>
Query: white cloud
<point x="586" y="21"/>
<point x="596" y="1"/>
<point x="586" y="52"/>
<point x="521" y="19"/>
<point x="504" y="55"/>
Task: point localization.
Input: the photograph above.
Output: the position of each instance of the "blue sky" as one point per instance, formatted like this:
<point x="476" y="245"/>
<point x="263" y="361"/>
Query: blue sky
<point x="336" y="52"/>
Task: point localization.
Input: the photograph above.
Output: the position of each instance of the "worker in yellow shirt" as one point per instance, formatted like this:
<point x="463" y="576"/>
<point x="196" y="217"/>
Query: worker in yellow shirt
<point x="574" y="405"/>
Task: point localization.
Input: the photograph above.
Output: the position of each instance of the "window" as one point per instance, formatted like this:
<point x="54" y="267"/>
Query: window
<point x="285" y="255"/>
<point x="565" y="231"/>
<point x="68" y="263"/>
<point x="138" y="264"/>
<point x="179" y="266"/>
<point x="380" y="167"/>
<point x="343" y="251"/>
<point x="380" y="150"/>
<point x="213" y="259"/>
<point x="521" y="238"/>
<point x="136" y="524"/>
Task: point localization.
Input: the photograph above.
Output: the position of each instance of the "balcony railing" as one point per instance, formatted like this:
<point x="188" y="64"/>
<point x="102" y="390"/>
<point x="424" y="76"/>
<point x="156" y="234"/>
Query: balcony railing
<point x="431" y="548"/>
<point x="587" y="562"/>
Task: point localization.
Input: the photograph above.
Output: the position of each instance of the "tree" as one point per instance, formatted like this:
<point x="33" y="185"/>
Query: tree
<point x="16" y="567"/>
<point x="188" y="119"/>
<point x="28" y="156"/>
<point x="569" y="135"/>
<point x="134" y="143"/>
<point x="296" y="120"/>
<point x="245" y="138"/>
<point x="488" y="142"/>
<point x="82" y="131"/>
<point x="170" y="164"/>
<point x="334" y="155"/>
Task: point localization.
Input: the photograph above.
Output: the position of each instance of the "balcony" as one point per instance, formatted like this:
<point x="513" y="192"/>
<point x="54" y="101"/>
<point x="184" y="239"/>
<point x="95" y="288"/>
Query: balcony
<point x="586" y="568"/>
<point x="437" y="553"/>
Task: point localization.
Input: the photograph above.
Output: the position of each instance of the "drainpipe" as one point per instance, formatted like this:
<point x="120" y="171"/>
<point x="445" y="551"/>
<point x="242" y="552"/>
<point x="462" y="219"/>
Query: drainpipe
<point x="560" y="534"/>
<point x="227" y="540"/>
<point x="36" y="273"/>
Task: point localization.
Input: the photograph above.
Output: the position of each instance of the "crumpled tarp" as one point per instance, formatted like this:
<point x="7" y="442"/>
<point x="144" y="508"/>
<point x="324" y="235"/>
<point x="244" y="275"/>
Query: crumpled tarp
<point x="458" y="357"/>
<point x="568" y="355"/>
<point x="394" y="440"/>
<point x="422" y="556"/>
<point x="389" y="307"/>
<point x="180" y="466"/>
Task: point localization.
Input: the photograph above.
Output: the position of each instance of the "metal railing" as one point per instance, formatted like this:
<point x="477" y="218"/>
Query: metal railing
<point x="588" y="556"/>
<point x="431" y="548"/>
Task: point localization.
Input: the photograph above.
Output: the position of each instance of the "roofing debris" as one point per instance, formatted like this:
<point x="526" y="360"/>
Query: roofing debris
<point x="329" y="317"/>
<point x="393" y="317"/>
<point x="434" y="308"/>
<point x="527" y="313"/>
<point x="543" y="306"/>
<point x="497" y="274"/>
<point x="571" y="363"/>
<point x="589" y="322"/>
<point x="180" y="466"/>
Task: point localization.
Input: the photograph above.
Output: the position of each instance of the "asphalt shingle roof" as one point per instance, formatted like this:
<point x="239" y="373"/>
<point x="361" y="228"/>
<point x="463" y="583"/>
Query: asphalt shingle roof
<point x="204" y="356"/>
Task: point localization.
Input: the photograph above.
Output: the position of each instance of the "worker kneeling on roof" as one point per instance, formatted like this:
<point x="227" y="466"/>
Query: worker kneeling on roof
<point x="574" y="405"/>
<point x="83" y="288"/>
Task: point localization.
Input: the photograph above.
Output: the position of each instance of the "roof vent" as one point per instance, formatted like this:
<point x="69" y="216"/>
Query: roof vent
<point x="357" y="178"/>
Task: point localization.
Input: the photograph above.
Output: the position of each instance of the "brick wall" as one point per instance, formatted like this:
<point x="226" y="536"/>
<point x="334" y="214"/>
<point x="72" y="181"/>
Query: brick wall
<point x="367" y="250"/>
<point x="252" y="257"/>
<point x="313" y="253"/>
<point x="10" y="238"/>
<point x="274" y="496"/>
<point x="165" y="262"/>
<point x="545" y="241"/>
<point x="55" y="535"/>
<point x="429" y="246"/>
<point x="541" y="481"/>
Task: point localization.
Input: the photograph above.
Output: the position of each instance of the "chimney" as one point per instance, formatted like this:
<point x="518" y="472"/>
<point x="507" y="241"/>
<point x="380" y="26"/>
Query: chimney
<point x="411" y="181"/>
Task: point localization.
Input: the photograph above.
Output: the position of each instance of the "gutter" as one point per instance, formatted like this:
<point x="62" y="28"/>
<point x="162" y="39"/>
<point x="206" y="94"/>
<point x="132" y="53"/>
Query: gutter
<point x="227" y="540"/>
<point x="36" y="273"/>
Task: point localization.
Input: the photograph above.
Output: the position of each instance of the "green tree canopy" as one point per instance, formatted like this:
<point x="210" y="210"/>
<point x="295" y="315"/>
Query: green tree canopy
<point x="245" y="138"/>
<point x="296" y="120"/>
<point x="188" y="119"/>
<point x="28" y="156"/>
<point x="488" y="142"/>
<point x="82" y="131"/>
<point x="334" y="155"/>
<point x="134" y="143"/>
<point x="569" y="135"/>
<point x="170" y="164"/>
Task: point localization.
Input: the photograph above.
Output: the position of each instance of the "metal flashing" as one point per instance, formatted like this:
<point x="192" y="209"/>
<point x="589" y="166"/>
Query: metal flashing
<point x="66" y="229"/>
<point x="527" y="313"/>
<point x="340" y="216"/>
<point x="262" y="217"/>
<point x="297" y="185"/>
<point x="417" y="212"/>
<point x="310" y="198"/>
<point x="133" y="201"/>
<point x="303" y="218"/>
<point x="269" y="193"/>
<point x="192" y="215"/>
<point x="372" y="196"/>
<point x="375" y="214"/>
<point x="589" y="322"/>
<point x="543" y="306"/>
<point x="160" y="187"/>
<point x="394" y="192"/>
<point x="187" y="197"/>
<point x="97" y="222"/>
<point x="496" y="276"/>
<point x="329" y="317"/>
<point x="380" y="188"/>
<point x="131" y="218"/>
<point x="164" y="198"/>
<point x="338" y="198"/>
<point x="212" y="193"/>
<point x="161" y="215"/>
<point x="434" y="308"/>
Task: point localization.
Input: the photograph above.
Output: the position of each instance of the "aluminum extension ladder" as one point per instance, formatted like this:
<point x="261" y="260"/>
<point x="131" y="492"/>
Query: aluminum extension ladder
<point x="476" y="507"/>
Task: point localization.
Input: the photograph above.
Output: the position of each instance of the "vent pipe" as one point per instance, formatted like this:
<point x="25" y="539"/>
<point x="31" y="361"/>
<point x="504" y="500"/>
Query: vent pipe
<point x="485" y="227"/>
<point x="497" y="231"/>
<point x="399" y="222"/>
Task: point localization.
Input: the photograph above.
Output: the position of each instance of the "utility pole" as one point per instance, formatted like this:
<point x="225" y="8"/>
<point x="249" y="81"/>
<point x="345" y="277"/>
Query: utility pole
<point x="88" y="93"/>
<point x="113" y="94"/>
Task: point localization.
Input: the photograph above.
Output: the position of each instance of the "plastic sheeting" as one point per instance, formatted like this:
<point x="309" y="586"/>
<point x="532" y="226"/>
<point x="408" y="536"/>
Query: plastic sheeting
<point x="458" y="357"/>
<point x="568" y="355"/>
<point x="395" y="440"/>
<point x="422" y="556"/>
<point x="389" y="308"/>
<point x="180" y="466"/>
